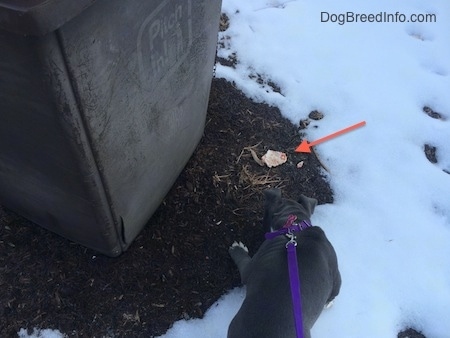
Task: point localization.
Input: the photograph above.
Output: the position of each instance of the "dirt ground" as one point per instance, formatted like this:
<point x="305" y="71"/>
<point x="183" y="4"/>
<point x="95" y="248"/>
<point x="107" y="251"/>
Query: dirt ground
<point x="179" y="265"/>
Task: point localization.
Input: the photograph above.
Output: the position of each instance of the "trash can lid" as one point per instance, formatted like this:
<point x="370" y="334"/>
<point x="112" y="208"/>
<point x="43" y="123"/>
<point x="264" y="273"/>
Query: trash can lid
<point x="38" y="17"/>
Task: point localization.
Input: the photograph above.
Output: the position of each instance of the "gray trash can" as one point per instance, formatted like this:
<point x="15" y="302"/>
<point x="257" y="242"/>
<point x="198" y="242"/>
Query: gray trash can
<point x="102" y="102"/>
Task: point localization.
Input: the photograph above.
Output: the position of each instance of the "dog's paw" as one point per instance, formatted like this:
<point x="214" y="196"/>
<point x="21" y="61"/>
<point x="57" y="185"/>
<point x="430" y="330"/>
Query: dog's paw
<point x="329" y="304"/>
<point x="239" y="245"/>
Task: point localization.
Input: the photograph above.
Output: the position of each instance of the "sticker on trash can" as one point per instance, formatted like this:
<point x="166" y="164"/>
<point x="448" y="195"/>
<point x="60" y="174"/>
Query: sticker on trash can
<point x="164" y="38"/>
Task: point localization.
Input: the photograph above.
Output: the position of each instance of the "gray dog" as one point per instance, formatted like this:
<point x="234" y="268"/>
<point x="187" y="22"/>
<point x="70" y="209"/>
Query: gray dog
<point x="267" y="309"/>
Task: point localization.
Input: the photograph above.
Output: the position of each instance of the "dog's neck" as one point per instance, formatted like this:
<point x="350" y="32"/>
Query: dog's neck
<point x="290" y="226"/>
<point x="290" y="221"/>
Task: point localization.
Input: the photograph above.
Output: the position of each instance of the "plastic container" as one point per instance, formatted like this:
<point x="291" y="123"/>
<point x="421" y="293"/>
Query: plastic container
<point x="101" y="105"/>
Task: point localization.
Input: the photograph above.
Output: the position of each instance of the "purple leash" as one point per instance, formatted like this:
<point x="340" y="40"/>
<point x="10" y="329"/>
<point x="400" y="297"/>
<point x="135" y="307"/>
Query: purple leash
<point x="288" y="230"/>
<point x="295" y="285"/>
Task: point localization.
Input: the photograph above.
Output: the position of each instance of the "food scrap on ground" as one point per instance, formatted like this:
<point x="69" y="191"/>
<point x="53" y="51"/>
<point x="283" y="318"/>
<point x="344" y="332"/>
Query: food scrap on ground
<point x="274" y="158"/>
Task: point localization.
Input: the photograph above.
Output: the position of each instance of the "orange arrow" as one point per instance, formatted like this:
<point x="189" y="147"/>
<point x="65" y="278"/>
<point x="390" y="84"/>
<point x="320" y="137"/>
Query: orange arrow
<point x="304" y="147"/>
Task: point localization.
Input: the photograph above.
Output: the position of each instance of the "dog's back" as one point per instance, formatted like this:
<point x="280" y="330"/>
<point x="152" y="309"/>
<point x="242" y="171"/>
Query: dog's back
<point x="267" y="309"/>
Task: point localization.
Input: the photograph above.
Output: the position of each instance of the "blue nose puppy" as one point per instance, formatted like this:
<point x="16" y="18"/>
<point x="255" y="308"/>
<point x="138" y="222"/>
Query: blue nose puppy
<point x="267" y="310"/>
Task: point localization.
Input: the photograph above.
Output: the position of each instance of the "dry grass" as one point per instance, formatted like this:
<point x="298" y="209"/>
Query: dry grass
<point x="259" y="182"/>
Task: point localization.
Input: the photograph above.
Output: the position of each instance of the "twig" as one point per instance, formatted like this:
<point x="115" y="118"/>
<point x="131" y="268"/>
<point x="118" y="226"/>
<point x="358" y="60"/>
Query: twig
<point x="256" y="158"/>
<point x="320" y="162"/>
<point x="248" y="148"/>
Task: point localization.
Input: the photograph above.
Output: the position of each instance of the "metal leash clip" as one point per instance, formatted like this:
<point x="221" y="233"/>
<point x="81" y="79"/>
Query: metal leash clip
<point x="292" y="238"/>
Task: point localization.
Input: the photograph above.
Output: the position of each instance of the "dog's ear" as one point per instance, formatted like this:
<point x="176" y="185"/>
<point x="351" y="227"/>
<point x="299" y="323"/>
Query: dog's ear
<point x="272" y="200"/>
<point x="272" y="195"/>
<point x="308" y="203"/>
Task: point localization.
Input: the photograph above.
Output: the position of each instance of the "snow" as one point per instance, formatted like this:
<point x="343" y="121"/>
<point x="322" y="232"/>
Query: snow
<point x="390" y="222"/>
<point x="37" y="333"/>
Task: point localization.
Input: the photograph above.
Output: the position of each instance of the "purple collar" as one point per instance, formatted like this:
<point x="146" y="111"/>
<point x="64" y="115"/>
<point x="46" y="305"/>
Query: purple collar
<point x="289" y="228"/>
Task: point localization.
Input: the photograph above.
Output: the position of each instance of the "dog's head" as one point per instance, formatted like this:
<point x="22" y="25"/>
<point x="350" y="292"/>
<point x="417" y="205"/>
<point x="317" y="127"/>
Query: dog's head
<point x="278" y="209"/>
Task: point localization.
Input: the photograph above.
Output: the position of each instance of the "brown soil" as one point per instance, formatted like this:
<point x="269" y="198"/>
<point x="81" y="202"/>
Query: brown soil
<point x="179" y="265"/>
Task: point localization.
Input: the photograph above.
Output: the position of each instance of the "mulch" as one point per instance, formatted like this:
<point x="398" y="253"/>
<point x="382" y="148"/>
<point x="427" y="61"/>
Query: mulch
<point x="179" y="265"/>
